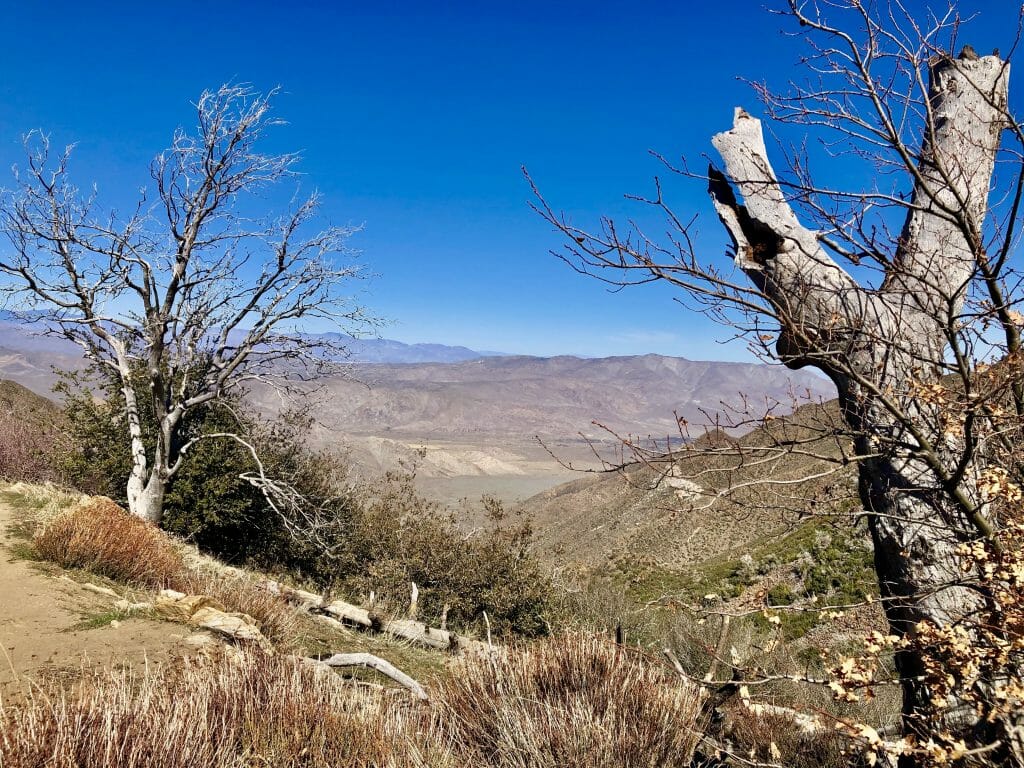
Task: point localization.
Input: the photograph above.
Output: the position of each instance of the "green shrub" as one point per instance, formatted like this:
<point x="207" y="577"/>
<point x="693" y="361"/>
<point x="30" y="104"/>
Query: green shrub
<point x="781" y="594"/>
<point x="399" y="537"/>
<point x="378" y="535"/>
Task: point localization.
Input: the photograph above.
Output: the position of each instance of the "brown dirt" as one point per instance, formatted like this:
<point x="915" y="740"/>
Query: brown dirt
<point x="41" y="617"/>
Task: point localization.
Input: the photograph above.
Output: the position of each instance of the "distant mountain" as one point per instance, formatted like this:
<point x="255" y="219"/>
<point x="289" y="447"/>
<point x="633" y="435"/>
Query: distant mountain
<point x="391" y="351"/>
<point x="28" y="356"/>
<point x="476" y="415"/>
<point x="519" y="397"/>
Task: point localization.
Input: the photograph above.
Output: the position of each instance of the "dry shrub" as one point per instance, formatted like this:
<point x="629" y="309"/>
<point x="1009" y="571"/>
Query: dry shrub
<point x="101" y="537"/>
<point x="34" y="436"/>
<point x="572" y="700"/>
<point x="276" y="619"/>
<point x="771" y="738"/>
<point x="229" y="712"/>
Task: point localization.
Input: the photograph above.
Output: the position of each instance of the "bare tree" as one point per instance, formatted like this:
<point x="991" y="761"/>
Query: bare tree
<point x="194" y="293"/>
<point x="903" y="293"/>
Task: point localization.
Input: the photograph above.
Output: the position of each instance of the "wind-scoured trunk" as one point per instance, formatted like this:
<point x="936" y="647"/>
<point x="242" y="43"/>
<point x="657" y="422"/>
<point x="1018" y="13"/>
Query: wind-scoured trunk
<point x="881" y="347"/>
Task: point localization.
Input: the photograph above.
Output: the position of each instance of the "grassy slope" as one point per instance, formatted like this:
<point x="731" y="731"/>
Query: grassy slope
<point x="30" y="506"/>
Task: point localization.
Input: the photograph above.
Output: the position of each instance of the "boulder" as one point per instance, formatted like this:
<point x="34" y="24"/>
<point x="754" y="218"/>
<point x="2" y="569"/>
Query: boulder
<point x="237" y="626"/>
<point x="175" y="606"/>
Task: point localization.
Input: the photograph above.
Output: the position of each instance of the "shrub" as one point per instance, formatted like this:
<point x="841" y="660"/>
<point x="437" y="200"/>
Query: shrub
<point x="208" y="502"/>
<point x="572" y="700"/>
<point x="377" y="535"/>
<point x="400" y="537"/>
<point x="777" y="740"/>
<point x="99" y="536"/>
<point x="254" y="710"/>
<point x="30" y="447"/>
<point x="781" y="594"/>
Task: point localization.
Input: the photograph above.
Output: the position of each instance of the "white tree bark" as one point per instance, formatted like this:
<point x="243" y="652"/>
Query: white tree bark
<point x="184" y="299"/>
<point x="386" y="668"/>
<point x="876" y="344"/>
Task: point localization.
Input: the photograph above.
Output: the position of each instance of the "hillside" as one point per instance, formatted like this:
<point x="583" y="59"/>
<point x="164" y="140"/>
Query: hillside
<point x="471" y="423"/>
<point x="553" y="397"/>
<point x="715" y="496"/>
<point x="32" y="408"/>
<point x="32" y="427"/>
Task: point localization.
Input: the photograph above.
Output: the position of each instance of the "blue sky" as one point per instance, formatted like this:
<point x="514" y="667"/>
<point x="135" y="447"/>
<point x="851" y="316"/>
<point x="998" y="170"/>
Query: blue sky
<point x="414" y="119"/>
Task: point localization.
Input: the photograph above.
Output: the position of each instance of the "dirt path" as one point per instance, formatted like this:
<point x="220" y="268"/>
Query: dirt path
<point x="43" y="623"/>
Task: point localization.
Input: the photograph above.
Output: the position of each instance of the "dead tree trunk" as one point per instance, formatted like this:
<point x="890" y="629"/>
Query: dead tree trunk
<point x="884" y="347"/>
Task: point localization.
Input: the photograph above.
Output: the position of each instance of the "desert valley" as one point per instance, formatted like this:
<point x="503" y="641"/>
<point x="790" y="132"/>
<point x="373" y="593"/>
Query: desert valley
<point x="387" y="406"/>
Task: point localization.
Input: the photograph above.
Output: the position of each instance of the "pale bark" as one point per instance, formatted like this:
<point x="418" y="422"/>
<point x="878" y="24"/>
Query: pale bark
<point x="378" y="664"/>
<point x="875" y="344"/>
<point x="353" y="614"/>
<point x="403" y="629"/>
<point x="183" y="299"/>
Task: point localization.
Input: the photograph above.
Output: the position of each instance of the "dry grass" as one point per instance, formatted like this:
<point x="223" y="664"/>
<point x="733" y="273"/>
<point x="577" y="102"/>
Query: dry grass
<point x="768" y="738"/>
<point x="229" y="712"/>
<point x="101" y="537"/>
<point x="36" y="505"/>
<point x="98" y="536"/>
<point x="570" y="701"/>
<point x="575" y="701"/>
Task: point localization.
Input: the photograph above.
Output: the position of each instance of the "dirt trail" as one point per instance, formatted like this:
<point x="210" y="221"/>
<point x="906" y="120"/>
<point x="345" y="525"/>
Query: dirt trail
<point x="41" y="617"/>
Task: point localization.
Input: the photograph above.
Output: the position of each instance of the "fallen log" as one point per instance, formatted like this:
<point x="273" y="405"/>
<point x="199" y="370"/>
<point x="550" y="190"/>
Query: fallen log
<point x="308" y="601"/>
<point x="410" y="630"/>
<point x="353" y="614"/>
<point x="419" y="633"/>
<point x="386" y="668"/>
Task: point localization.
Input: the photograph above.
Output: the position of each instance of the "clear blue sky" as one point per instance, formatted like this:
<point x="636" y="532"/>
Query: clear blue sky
<point x="414" y="118"/>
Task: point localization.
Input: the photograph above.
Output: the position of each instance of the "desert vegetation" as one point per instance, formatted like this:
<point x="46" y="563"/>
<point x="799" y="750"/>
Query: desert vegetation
<point x="375" y="536"/>
<point x="859" y="598"/>
<point x="566" y="701"/>
<point x="901" y="288"/>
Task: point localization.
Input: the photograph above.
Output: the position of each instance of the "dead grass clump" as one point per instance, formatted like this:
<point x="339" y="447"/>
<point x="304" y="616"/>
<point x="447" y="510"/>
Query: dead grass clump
<point x="253" y="710"/>
<point x="570" y="701"/>
<point x="101" y="537"/>
<point x="277" y="620"/>
<point x="777" y="739"/>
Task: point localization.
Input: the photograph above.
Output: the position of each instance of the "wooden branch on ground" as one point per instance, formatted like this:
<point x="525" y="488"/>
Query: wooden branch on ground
<point x="354" y="615"/>
<point x="378" y="664"/>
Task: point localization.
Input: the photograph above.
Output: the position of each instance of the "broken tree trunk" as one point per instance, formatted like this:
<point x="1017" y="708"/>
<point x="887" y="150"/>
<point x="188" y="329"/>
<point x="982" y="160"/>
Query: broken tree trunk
<point x="918" y="483"/>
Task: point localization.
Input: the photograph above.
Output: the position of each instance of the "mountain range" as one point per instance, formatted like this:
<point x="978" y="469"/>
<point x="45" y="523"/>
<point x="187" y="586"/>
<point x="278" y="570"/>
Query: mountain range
<point x="464" y="416"/>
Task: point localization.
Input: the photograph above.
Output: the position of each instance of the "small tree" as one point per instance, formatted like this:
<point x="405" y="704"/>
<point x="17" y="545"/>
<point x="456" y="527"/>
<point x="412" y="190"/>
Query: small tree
<point x="194" y="289"/>
<point x="904" y="294"/>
